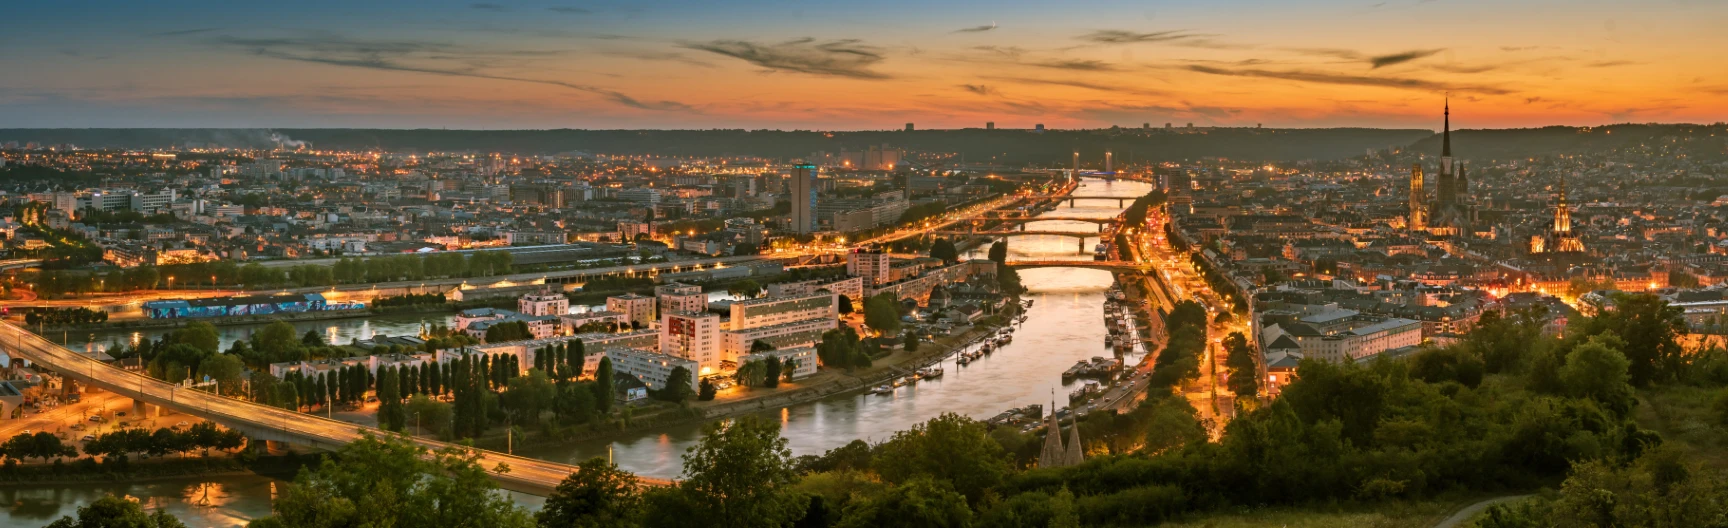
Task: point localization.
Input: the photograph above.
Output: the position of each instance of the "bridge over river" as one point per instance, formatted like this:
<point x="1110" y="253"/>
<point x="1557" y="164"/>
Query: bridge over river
<point x="261" y="422"/>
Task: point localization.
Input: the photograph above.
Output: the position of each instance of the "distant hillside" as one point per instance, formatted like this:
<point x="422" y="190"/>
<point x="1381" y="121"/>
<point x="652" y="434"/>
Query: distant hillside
<point x="1531" y="142"/>
<point x="975" y="144"/>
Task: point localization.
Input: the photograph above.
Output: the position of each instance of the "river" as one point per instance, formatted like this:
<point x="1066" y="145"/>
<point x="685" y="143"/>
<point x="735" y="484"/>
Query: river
<point x="1065" y="325"/>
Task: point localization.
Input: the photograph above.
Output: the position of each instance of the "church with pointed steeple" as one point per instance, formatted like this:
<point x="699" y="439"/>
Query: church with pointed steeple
<point x="1559" y="240"/>
<point x="1452" y="210"/>
<point x="1054" y="453"/>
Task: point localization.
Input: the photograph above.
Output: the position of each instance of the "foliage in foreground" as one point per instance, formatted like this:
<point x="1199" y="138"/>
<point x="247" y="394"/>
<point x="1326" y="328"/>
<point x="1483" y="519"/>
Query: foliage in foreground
<point x="391" y="481"/>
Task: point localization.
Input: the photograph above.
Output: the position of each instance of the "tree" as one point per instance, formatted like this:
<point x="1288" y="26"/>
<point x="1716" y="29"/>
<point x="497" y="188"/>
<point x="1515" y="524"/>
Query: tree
<point x="313" y="339"/>
<point x="999" y="252"/>
<point x="528" y="396"/>
<point x="1597" y="370"/>
<point x="603" y="386"/>
<point x="921" y="501"/>
<point x="202" y="335"/>
<point x="227" y="370"/>
<point x="276" y="342"/>
<point x="882" y="312"/>
<point x="911" y="342"/>
<point x="738" y="475"/>
<point x="1651" y="330"/>
<point x="597" y="495"/>
<point x="1244" y="380"/>
<point x="114" y="512"/>
<point x="944" y="249"/>
<point x="746" y="288"/>
<point x="845" y="305"/>
<point x="429" y="414"/>
<point x="771" y="372"/>
<point x="391" y="415"/>
<point x="393" y="482"/>
<point x="950" y="448"/>
<point x="705" y="391"/>
<point x="677" y="387"/>
<point x="751" y="373"/>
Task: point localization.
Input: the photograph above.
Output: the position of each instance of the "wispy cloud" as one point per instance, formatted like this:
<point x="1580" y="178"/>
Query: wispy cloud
<point x="1609" y="64"/>
<point x="430" y="58"/>
<point x="1353" y="80"/>
<point x="976" y="29"/>
<point x="1076" y="64"/>
<point x="1117" y="36"/>
<point x="1078" y="84"/>
<point x="1380" y="61"/>
<point x="838" y="58"/>
<point x="979" y="89"/>
<point x="487" y="7"/>
<point x="570" y="10"/>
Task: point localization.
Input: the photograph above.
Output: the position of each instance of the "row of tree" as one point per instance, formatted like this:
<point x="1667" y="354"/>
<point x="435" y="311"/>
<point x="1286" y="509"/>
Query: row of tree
<point x="65" y="316"/>
<point x="416" y="267"/>
<point x="200" y="436"/>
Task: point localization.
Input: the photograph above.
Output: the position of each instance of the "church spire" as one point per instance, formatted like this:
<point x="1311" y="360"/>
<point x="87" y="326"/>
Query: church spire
<point x="1446" y="133"/>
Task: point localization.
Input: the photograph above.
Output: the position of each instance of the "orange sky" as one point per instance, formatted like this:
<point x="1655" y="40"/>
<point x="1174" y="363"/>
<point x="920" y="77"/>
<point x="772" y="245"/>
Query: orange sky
<point x="854" y="66"/>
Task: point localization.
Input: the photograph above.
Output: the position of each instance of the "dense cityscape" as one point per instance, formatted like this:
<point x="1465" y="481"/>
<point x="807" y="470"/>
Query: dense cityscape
<point x="1415" y="299"/>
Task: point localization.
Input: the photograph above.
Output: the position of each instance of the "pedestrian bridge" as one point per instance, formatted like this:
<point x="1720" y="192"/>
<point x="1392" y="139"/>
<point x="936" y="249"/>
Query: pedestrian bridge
<point x="262" y="422"/>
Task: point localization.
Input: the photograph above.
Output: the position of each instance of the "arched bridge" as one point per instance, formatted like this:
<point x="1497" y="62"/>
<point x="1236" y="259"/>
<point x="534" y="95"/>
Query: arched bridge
<point x="1021" y="233"/>
<point x="1114" y="265"/>
<point x="19" y="263"/>
<point x="1024" y="219"/>
<point x="262" y="422"/>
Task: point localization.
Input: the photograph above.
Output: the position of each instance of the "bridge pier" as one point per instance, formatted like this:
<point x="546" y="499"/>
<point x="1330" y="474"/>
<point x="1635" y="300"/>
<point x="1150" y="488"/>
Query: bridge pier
<point x="144" y="409"/>
<point x="1082" y="246"/>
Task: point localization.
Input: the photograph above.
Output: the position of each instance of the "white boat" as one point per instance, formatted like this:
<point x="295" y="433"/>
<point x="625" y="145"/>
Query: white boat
<point x="931" y="373"/>
<point x="881" y="390"/>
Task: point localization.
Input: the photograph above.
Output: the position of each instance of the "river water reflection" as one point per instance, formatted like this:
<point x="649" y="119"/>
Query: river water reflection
<point x="1065" y="325"/>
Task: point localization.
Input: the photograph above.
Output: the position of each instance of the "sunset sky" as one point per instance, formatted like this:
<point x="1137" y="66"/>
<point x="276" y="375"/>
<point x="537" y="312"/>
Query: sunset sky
<point x="861" y="65"/>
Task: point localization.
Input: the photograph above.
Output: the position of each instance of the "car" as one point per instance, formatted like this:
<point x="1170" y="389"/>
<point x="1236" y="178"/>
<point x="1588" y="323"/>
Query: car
<point x="26" y="431"/>
<point x="182" y="424"/>
<point x="77" y="427"/>
<point x="97" y="419"/>
<point x="88" y="438"/>
<point x="119" y="413"/>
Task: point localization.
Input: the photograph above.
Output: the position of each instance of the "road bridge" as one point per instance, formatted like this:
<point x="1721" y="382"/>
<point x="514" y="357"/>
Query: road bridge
<point x="1113" y="265"/>
<point x="1022" y="220"/>
<point x="261" y="422"/>
<point x="1020" y="233"/>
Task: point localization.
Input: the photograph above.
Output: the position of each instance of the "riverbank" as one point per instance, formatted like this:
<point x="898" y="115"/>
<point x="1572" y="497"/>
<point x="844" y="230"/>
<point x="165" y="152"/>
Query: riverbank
<point x="824" y="384"/>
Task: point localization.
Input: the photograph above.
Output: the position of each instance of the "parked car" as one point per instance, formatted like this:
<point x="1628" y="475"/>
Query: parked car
<point x="182" y="424"/>
<point x="26" y="431"/>
<point x="119" y="413"/>
<point x="89" y="438"/>
<point x="96" y="418"/>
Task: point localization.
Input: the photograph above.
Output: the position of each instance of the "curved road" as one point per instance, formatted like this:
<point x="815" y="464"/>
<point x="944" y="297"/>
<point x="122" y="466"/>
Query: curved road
<point x="526" y="474"/>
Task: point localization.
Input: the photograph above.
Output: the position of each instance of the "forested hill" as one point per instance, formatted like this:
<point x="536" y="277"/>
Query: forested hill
<point x="976" y="145"/>
<point x="1511" y="143"/>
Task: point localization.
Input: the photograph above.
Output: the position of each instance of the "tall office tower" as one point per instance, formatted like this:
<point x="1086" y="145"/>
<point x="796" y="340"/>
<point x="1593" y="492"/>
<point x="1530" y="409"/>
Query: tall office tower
<point x="1418" y="214"/>
<point x="803" y="198"/>
<point x="1109" y="161"/>
<point x="1076" y="161"/>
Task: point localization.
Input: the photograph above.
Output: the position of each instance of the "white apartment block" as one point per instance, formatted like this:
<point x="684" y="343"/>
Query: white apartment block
<point x="770" y="311"/>
<point x="1361" y="340"/>
<point x="694" y="336"/>
<point x="652" y="368"/>
<point x="735" y="343"/>
<point x="804" y="356"/>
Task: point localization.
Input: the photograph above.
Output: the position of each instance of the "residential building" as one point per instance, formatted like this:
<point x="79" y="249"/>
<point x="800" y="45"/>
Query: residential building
<point x="802" y="360"/>
<point x="680" y="297"/>
<point x="637" y="309"/>
<point x="544" y="302"/>
<point x="803" y="187"/>
<point x="692" y="335"/>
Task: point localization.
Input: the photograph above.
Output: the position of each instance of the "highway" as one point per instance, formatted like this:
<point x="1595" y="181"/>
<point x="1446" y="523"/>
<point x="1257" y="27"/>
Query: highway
<point x="525" y="475"/>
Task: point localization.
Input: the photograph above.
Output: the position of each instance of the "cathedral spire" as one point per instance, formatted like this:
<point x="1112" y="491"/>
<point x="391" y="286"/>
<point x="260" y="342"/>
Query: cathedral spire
<point x="1446" y="133"/>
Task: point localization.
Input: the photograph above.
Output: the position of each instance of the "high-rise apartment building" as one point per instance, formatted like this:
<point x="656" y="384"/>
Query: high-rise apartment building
<point x="692" y="335"/>
<point x="543" y="303"/>
<point x="636" y="308"/>
<point x="873" y="266"/>
<point x="803" y="187"/>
